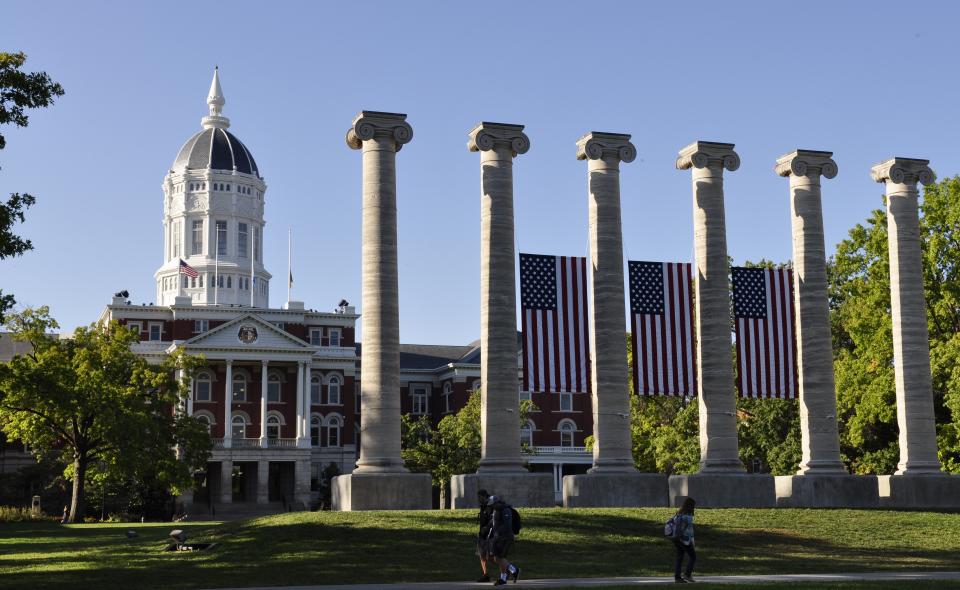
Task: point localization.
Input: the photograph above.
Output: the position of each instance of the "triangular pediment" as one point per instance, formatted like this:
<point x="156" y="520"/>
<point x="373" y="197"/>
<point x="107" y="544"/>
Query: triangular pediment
<point x="247" y="332"/>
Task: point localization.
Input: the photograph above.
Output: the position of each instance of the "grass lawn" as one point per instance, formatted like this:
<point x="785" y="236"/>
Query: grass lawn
<point x="372" y="547"/>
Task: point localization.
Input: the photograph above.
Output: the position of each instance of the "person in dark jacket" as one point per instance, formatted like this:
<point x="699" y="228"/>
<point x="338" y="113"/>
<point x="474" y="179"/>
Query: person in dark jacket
<point x="483" y="541"/>
<point x="684" y="542"/>
<point x="501" y="539"/>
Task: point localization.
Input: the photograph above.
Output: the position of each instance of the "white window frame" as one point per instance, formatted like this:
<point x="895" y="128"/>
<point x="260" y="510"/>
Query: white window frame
<point x="316" y="390"/>
<point x="274" y="423"/>
<point x="200" y="326"/>
<point x="206" y="379"/>
<point x="207" y="419"/>
<point x="137" y="325"/>
<point x="196" y="234"/>
<point x="233" y="426"/>
<point x="159" y="327"/>
<point x="175" y="240"/>
<point x="447" y="394"/>
<point x="420" y="401"/>
<point x="233" y="388"/>
<point x="316" y="430"/>
<point x="567" y="428"/>
<point x="331" y="399"/>
<point x="220" y="230"/>
<point x="527" y="428"/>
<point x="334" y="332"/>
<point x="274" y="380"/>
<point x="334" y="428"/>
<point x="566" y="401"/>
<point x="316" y="335"/>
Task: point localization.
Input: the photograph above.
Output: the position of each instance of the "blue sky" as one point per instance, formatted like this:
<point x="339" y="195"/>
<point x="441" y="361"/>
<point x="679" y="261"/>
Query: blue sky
<point x="866" y="81"/>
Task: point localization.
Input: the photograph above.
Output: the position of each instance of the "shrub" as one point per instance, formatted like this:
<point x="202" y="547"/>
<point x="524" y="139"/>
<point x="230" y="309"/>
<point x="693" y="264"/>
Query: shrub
<point x="17" y="514"/>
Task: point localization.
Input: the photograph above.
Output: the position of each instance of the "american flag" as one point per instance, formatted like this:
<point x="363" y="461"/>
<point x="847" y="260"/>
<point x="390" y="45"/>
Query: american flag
<point x="553" y="301"/>
<point x="764" y="314"/>
<point x="188" y="270"/>
<point x="661" y="310"/>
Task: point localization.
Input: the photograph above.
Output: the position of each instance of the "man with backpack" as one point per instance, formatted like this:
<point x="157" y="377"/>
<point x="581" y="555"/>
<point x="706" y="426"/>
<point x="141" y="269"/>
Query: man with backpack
<point x="485" y="519"/>
<point x="502" y="532"/>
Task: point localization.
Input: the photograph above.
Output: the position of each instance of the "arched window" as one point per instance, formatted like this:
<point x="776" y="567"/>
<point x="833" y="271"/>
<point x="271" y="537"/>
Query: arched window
<point x="201" y="388"/>
<point x="447" y="394"/>
<point x="526" y="434"/>
<point x="239" y="388"/>
<point x="315" y="390"/>
<point x="205" y="420"/>
<point x="273" y="388"/>
<point x="333" y="391"/>
<point x="315" y="424"/>
<point x="334" y="423"/>
<point x="239" y="429"/>
<point x="273" y="427"/>
<point x="567" y="428"/>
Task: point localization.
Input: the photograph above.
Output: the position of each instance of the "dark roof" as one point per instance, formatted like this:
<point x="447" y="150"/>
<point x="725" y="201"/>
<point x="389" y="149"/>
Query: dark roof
<point x="217" y="149"/>
<point x="434" y="356"/>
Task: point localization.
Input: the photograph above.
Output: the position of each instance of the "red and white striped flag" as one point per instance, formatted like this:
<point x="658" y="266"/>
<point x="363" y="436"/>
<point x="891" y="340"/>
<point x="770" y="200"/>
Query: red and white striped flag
<point x="764" y="314"/>
<point x="187" y="269"/>
<point x="553" y="302"/>
<point x="661" y="311"/>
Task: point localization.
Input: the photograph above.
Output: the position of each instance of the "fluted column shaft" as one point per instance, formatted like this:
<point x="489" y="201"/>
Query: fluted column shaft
<point x="911" y="340"/>
<point x="263" y="403"/>
<point x="228" y="406"/>
<point x="717" y="404"/>
<point x="818" y="398"/>
<point x="613" y="445"/>
<point x="500" y="404"/>
<point x="380" y="135"/>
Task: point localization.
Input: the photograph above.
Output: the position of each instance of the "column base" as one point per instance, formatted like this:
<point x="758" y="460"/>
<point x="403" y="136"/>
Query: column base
<point x="518" y="489"/>
<point x="827" y="491"/>
<point x="724" y="490"/>
<point x="615" y="490"/>
<point x="382" y="491"/>
<point x="939" y="490"/>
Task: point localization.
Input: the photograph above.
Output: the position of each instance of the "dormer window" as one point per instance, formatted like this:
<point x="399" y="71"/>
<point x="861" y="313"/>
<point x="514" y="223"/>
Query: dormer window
<point x="334" y="337"/>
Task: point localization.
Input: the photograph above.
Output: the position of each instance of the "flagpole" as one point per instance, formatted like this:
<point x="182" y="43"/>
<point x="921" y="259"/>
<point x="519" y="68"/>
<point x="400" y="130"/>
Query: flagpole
<point x="289" y="262"/>
<point x="216" y="271"/>
<point x="179" y="278"/>
<point x="253" y="278"/>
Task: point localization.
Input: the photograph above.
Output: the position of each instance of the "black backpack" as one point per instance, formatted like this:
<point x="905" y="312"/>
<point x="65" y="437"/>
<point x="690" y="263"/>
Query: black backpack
<point x="515" y="520"/>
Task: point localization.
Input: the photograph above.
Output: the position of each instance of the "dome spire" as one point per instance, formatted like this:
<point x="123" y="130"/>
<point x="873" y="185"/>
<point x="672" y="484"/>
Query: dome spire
<point x="215" y="101"/>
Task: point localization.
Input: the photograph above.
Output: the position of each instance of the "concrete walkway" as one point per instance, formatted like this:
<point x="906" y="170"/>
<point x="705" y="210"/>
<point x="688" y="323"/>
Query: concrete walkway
<point x="601" y="582"/>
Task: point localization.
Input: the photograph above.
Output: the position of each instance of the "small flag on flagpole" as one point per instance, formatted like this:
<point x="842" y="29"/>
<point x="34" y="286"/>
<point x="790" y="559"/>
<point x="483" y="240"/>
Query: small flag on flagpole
<point x="188" y="270"/>
<point x="764" y="315"/>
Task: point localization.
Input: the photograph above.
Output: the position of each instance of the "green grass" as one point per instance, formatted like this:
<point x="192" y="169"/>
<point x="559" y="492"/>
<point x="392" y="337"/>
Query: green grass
<point x="372" y="547"/>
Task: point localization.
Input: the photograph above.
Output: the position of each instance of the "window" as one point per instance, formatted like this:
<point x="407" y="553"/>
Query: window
<point x="356" y="397"/>
<point x="200" y="326"/>
<point x="315" y="390"/>
<point x="567" y="428"/>
<point x="228" y="187"/>
<point x="186" y="282"/>
<point x="273" y="427"/>
<point x="333" y="431"/>
<point x="175" y="240"/>
<point x="315" y="431"/>
<point x="200" y="280"/>
<point x="221" y="227"/>
<point x="135" y="327"/>
<point x="256" y="243"/>
<point x="419" y="400"/>
<point x="273" y="389"/>
<point x="333" y="391"/>
<point x="220" y="281"/>
<point x="526" y="434"/>
<point x="193" y="281"/>
<point x="239" y="388"/>
<point x="566" y="402"/>
<point x="447" y="394"/>
<point x="239" y="429"/>
<point x="229" y="281"/>
<point x="334" y="337"/>
<point x="280" y="325"/>
<point x="156" y="331"/>
<point x="201" y="392"/>
<point x="197" y="247"/>
<point x="315" y="335"/>
<point x="205" y="420"/>
<point x="242" y="240"/>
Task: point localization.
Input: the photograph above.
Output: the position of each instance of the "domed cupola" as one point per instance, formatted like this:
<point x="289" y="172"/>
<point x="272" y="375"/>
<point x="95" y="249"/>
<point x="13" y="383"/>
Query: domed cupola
<point x="215" y="148"/>
<point x="214" y="200"/>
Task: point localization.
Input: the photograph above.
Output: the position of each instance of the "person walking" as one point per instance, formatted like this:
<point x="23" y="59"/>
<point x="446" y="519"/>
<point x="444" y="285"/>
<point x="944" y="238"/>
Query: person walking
<point x="483" y="541"/>
<point x="684" y="542"/>
<point x="66" y="515"/>
<point x="501" y="539"/>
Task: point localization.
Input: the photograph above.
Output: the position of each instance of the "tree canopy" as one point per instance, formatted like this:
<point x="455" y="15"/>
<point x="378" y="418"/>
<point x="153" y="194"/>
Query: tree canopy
<point x="90" y="401"/>
<point x="19" y="91"/>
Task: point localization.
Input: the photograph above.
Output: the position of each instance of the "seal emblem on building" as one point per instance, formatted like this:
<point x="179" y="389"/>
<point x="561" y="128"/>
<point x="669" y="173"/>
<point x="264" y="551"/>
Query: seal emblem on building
<point x="247" y="334"/>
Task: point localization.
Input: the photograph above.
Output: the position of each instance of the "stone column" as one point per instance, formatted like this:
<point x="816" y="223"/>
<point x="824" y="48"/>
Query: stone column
<point x="822" y="480"/>
<point x="301" y="404"/>
<point x="612" y="445"/>
<point x="911" y="344"/>
<point x="718" y="419"/>
<point x="818" y="396"/>
<point x="500" y="466"/>
<point x="263" y="482"/>
<point x="228" y="406"/>
<point x="721" y="481"/>
<point x="264" y="443"/>
<point x="380" y="136"/>
<point x="613" y="480"/>
<point x="226" y="481"/>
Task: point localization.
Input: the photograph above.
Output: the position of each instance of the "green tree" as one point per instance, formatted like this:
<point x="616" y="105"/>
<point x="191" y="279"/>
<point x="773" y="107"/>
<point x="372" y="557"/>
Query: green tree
<point x="862" y="332"/>
<point x="452" y="447"/>
<point x="89" y="399"/>
<point x="19" y="91"/>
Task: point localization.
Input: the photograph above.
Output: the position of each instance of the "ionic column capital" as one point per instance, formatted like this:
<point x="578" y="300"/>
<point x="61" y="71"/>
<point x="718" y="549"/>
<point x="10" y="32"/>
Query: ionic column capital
<point x="376" y="125"/>
<point x="598" y="145"/>
<point x="704" y="154"/>
<point x="487" y="136"/>
<point x="806" y="163"/>
<point x="908" y="171"/>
